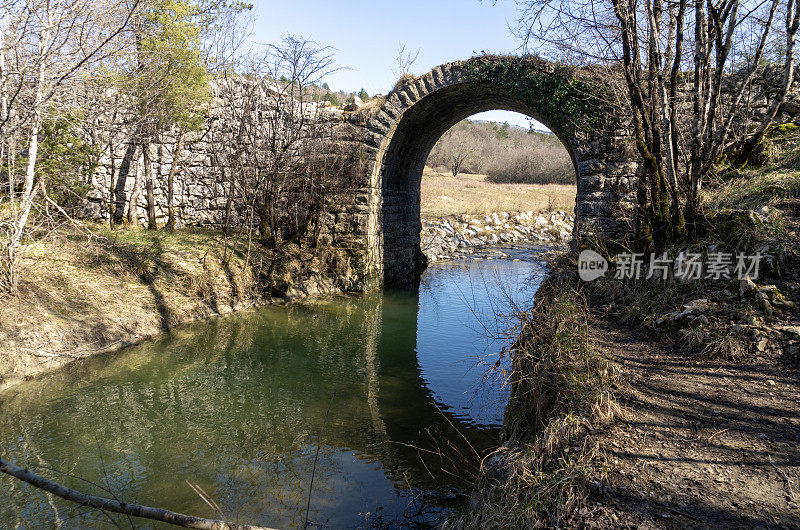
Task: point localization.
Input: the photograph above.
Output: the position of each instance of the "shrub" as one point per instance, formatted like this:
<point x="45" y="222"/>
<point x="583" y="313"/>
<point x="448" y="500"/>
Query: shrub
<point x="505" y="154"/>
<point x="531" y="166"/>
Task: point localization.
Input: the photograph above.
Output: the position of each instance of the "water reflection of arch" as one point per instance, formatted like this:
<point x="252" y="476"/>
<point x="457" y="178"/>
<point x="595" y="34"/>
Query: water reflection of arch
<point x="411" y="414"/>
<point x="233" y="406"/>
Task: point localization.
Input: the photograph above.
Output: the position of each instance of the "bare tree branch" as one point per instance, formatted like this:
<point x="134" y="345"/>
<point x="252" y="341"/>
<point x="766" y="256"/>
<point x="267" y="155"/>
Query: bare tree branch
<point x="112" y="505"/>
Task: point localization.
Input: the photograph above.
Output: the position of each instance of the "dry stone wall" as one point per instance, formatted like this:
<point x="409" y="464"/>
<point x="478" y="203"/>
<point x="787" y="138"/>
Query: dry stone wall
<point x="377" y="210"/>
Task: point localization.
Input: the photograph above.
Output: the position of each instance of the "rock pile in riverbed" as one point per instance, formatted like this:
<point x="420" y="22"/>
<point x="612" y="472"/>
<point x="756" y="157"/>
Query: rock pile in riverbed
<point x="453" y="236"/>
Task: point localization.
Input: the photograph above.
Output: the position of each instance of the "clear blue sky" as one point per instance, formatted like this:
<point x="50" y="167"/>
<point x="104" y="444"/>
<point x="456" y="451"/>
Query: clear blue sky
<point x="366" y="35"/>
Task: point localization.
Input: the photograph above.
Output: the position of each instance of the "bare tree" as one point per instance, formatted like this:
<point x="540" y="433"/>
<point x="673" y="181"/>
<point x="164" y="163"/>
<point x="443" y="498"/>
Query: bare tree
<point x="404" y="60"/>
<point x="274" y="132"/>
<point x="457" y="159"/>
<point x="457" y="146"/>
<point x="687" y="68"/>
<point x="45" y="44"/>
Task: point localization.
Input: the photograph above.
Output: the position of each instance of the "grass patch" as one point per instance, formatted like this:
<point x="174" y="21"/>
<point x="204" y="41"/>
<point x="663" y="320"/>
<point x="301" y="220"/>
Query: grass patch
<point x="729" y="347"/>
<point x="740" y="204"/>
<point x="641" y="304"/>
<point x="778" y="179"/>
<point x="752" y="189"/>
<point x="443" y="195"/>
<point x="561" y="391"/>
<point x="638" y="303"/>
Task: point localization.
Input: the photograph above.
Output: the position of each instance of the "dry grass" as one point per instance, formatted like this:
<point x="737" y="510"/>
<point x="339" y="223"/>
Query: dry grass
<point x="405" y="79"/>
<point x="80" y="295"/>
<point x="443" y="194"/>
<point x="561" y="390"/>
<point x="753" y="189"/>
<point x="729" y="347"/>
<point x="370" y="109"/>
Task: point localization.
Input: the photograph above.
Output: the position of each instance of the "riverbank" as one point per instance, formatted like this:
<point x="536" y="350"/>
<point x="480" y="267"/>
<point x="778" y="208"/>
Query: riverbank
<point x="84" y="293"/>
<point x="643" y="404"/>
<point x="387" y="385"/>
<point x="458" y="236"/>
<point x="93" y="290"/>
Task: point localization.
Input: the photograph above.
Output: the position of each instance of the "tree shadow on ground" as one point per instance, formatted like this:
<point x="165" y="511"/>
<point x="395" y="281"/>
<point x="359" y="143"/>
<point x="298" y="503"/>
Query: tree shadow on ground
<point x="705" y="443"/>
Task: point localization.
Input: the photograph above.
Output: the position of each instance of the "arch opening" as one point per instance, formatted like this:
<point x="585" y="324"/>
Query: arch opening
<point x="495" y="162"/>
<point x="406" y="153"/>
<point x="415" y="115"/>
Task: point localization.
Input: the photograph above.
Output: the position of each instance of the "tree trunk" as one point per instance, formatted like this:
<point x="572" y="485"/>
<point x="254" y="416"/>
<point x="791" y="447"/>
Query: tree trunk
<point x="173" y="169"/>
<point x="11" y="169"/>
<point x="133" y="202"/>
<point x="792" y="23"/>
<point x="29" y="190"/>
<point x="228" y="202"/>
<point x="112" y="211"/>
<point x="26" y="203"/>
<point x="120" y="197"/>
<point x="148" y="182"/>
<point x="3" y="118"/>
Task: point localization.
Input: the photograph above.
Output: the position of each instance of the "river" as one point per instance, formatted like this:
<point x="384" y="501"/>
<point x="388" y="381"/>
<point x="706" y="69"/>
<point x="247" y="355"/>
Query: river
<point x="386" y="399"/>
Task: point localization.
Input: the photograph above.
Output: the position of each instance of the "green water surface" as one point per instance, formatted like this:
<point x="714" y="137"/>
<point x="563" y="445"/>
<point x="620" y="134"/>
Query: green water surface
<point x="388" y="392"/>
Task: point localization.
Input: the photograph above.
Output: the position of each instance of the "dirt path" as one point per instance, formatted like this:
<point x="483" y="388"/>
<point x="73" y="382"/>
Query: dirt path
<point x="704" y="444"/>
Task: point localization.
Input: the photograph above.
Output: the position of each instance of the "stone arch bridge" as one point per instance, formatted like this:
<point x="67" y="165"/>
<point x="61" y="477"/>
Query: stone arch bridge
<point x="388" y="140"/>
<point x="396" y="137"/>
<point x="377" y="212"/>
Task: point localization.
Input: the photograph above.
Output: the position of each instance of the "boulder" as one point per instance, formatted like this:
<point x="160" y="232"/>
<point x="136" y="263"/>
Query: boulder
<point x="774" y="297"/>
<point x="699" y="305"/>
<point x="90" y="210"/>
<point x="747" y="286"/>
<point x="691" y="313"/>
<point x="793" y="332"/>
<point x="751" y="320"/>
<point x="94" y="194"/>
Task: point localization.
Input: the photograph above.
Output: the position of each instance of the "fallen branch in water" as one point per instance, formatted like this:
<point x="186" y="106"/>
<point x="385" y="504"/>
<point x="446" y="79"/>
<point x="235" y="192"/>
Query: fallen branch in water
<point x="111" y="505"/>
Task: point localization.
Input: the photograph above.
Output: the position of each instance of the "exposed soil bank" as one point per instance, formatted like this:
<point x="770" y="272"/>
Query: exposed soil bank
<point x="80" y="296"/>
<point x="646" y="425"/>
<point x="703" y="443"/>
